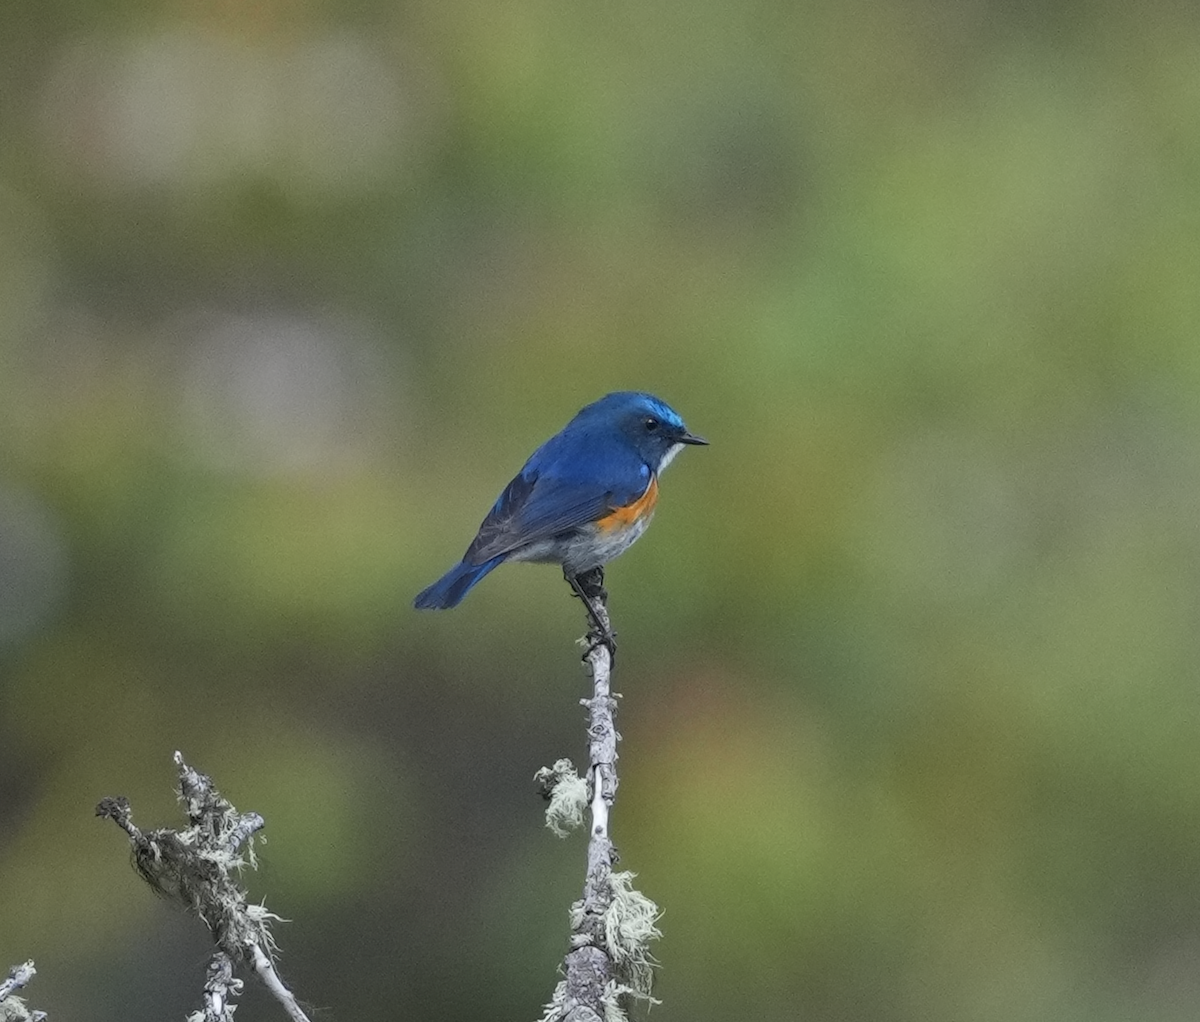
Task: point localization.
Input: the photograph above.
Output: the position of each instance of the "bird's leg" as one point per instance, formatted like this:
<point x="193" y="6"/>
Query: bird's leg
<point x="591" y="584"/>
<point x="589" y="587"/>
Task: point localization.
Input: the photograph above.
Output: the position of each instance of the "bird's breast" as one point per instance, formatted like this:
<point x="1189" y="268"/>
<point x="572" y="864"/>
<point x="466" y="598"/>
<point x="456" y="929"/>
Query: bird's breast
<point x="623" y="517"/>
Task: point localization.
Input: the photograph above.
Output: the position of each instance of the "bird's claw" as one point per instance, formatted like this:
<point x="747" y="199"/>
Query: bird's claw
<point x="596" y="639"/>
<point x="589" y="587"/>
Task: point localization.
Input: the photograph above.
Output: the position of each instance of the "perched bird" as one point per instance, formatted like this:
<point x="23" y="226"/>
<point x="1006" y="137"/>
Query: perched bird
<point x="582" y="498"/>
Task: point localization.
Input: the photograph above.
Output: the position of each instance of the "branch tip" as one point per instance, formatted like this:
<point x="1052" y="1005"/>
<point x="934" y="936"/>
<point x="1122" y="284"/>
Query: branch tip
<point x="12" y="1007"/>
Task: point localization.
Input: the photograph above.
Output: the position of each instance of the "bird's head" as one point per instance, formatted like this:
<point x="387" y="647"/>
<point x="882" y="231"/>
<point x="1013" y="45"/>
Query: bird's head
<point x="651" y="425"/>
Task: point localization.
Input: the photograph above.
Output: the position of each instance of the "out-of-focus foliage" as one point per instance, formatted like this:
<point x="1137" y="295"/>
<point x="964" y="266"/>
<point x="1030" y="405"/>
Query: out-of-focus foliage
<point x="288" y="289"/>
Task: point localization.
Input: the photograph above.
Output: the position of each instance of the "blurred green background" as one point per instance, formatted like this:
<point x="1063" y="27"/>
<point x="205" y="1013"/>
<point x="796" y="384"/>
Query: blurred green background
<point x="288" y="291"/>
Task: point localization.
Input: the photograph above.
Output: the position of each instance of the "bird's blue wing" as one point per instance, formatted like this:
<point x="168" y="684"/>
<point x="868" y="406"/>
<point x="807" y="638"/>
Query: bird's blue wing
<point x="562" y="487"/>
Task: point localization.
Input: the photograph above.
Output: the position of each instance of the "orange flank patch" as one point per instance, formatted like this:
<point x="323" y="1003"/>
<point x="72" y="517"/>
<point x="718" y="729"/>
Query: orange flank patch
<point x="625" y="516"/>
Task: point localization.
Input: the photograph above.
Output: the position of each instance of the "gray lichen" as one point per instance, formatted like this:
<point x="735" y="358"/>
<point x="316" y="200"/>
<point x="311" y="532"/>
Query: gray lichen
<point x="567" y="794"/>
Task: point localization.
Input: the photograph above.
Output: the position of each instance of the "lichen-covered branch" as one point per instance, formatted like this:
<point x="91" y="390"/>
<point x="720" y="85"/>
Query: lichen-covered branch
<point x="612" y="924"/>
<point x="195" y="867"/>
<point x="12" y="1007"/>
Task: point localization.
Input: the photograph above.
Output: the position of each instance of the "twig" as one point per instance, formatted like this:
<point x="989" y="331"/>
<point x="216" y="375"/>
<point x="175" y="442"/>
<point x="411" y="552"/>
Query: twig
<point x="613" y="923"/>
<point x="194" y="868"/>
<point x="220" y="989"/>
<point x="12" y="1008"/>
<point x="265" y="967"/>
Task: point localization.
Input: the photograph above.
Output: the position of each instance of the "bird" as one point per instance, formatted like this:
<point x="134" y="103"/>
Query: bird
<point x="583" y="497"/>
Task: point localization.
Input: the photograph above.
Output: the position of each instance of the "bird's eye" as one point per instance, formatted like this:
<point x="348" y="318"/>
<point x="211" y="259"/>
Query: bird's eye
<point x="651" y="424"/>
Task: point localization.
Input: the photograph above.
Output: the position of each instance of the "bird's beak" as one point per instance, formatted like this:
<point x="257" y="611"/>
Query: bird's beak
<point x="691" y="438"/>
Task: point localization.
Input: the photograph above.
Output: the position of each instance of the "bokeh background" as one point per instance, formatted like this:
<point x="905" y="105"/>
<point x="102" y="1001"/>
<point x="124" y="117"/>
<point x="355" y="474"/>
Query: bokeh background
<point x="290" y="288"/>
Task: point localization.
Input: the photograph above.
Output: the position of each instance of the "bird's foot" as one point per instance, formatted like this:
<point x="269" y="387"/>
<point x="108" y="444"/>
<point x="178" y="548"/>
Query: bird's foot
<point x="589" y="587"/>
<point x="596" y="639"/>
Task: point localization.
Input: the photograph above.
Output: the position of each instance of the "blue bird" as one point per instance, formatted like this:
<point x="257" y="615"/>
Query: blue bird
<point x="582" y="498"/>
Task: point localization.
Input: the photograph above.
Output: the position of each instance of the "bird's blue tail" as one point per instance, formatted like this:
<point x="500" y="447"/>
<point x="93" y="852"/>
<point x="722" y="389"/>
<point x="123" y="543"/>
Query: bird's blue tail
<point x="449" y="590"/>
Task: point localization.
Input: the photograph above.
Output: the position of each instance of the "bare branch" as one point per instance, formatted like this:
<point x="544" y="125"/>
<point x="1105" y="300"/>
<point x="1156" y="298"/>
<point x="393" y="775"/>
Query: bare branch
<point x="612" y="923"/>
<point x="12" y="1008"/>
<point x="220" y="989"/>
<point x="196" y="868"/>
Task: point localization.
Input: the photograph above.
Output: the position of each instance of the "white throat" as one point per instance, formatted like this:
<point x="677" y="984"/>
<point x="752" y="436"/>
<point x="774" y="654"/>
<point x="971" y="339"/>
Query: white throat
<point x="669" y="457"/>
